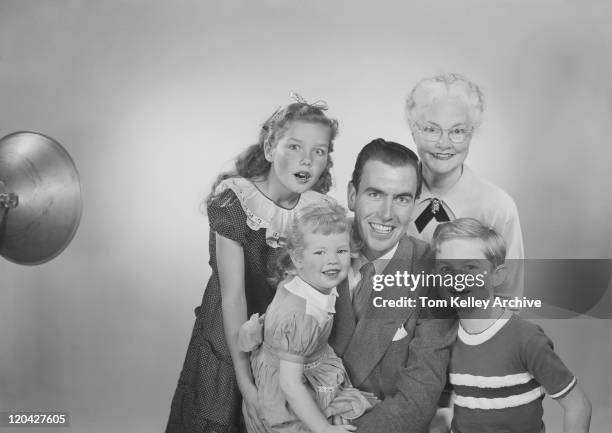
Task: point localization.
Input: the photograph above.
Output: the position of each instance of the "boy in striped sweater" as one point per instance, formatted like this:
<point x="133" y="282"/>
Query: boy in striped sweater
<point x="501" y="365"/>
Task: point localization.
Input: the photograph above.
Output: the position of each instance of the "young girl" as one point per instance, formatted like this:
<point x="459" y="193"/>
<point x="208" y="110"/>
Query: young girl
<point x="249" y="211"/>
<point x="300" y="380"/>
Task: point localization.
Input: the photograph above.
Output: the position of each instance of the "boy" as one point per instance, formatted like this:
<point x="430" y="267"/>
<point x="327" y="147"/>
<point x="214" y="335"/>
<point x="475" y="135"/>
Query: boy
<point x="501" y="365"/>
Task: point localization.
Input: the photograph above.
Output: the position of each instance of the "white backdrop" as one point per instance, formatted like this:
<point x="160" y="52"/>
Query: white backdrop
<point x="152" y="97"/>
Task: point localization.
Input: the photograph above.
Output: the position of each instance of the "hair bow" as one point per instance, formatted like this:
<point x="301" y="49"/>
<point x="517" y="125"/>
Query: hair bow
<point x="320" y="104"/>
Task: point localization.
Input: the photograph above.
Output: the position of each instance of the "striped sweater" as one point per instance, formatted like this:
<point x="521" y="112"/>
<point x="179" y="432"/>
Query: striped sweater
<point x="499" y="377"/>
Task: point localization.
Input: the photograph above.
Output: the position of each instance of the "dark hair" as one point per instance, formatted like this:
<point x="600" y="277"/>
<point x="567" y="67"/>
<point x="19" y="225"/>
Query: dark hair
<point x="388" y="152"/>
<point x="252" y="162"/>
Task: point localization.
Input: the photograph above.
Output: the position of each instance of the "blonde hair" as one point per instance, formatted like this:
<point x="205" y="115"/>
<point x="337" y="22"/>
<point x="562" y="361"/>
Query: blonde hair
<point x="322" y="218"/>
<point x="494" y="246"/>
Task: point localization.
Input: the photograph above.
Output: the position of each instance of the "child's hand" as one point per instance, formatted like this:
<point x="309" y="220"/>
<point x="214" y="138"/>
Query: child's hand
<point x="440" y="423"/>
<point x="339" y="428"/>
<point x="251" y="411"/>
<point x="250" y="334"/>
<point x="338" y="420"/>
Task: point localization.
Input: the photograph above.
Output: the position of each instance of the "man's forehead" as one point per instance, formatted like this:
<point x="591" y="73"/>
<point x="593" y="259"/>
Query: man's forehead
<point x="378" y="174"/>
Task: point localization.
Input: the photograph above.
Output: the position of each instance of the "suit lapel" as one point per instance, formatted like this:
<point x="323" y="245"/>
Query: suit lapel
<point x="374" y="332"/>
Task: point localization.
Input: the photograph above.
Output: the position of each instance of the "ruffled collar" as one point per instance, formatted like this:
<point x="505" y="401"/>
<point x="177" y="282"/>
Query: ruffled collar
<point x="263" y="213"/>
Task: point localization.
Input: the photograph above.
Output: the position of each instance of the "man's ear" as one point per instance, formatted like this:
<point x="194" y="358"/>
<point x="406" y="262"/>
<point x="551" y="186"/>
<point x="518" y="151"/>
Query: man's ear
<point x="499" y="275"/>
<point x="351" y="195"/>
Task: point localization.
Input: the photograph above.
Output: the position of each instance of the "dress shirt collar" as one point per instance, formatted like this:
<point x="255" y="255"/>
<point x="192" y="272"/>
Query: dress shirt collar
<point x="379" y="264"/>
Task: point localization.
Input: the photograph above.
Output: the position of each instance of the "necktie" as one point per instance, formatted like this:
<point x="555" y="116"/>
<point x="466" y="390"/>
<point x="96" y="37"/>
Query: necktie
<point x="361" y="296"/>
<point x="434" y="210"/>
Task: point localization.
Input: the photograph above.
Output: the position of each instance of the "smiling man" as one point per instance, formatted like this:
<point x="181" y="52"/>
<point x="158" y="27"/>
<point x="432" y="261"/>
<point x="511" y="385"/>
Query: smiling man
<point x="401" y="355"/>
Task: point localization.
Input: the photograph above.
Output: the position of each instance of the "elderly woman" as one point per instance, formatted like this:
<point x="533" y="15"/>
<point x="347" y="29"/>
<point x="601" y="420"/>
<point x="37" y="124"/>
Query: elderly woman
<point x="443" y="112"/>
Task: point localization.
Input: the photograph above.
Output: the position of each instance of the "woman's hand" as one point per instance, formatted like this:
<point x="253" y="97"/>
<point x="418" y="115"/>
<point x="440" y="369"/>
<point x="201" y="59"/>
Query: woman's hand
<point x="251" y="411"/>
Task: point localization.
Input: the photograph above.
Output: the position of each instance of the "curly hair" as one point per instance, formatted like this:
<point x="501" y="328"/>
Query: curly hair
<point x="252" y="163"/>
<point x="322" y="218"/>
<point x="429" y="90"/>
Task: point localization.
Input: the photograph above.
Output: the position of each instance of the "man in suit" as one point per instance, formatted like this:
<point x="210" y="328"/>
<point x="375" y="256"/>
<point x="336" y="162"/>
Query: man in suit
<point x="399" y="354"/>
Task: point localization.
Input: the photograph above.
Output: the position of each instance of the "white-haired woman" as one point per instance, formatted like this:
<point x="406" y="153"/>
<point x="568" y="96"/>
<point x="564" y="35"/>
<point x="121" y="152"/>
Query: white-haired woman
<point x="443" y="112"/>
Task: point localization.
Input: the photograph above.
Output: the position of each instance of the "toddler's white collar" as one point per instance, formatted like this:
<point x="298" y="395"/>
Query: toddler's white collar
<point x="318" y="304"/>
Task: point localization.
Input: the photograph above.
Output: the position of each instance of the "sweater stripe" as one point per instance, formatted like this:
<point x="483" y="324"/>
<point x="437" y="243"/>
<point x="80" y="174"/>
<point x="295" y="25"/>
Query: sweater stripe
<point x="490" y="381"/>
<point x="499" y="403"/>
<point x="508" y="391"/>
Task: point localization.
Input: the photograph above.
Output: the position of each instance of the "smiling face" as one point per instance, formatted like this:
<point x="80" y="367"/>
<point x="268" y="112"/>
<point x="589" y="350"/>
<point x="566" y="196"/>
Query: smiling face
<point x="298" y="158"/>
<point x="465" y="256"/>
<point x="443" y="157"/>
<point x="325" y="259"/>
<point x="383" y="203"/>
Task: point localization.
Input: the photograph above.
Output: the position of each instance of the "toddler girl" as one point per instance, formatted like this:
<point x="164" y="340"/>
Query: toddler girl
<point x="300" y="380"/>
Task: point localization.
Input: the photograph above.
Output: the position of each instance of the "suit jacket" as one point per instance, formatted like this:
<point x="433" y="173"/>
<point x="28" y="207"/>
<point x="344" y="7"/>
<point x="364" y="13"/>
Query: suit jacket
<point x="407" y="374"/>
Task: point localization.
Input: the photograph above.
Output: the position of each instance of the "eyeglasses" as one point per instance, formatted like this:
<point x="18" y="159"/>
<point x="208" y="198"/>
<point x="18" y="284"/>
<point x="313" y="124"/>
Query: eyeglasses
<point x="456" y="134"/>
